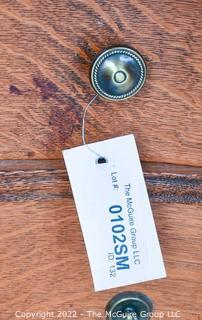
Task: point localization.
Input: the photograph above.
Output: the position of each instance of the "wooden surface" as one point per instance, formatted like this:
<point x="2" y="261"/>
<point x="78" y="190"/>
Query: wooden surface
<point x="46" y="50"/>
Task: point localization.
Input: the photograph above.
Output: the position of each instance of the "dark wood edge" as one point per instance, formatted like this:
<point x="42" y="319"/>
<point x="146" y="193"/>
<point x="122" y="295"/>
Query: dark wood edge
<point x="22" y="180"/>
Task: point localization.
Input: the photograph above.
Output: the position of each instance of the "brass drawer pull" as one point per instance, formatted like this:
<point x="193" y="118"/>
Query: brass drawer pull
<point x="118" y="73"/>
<point x="129" y="306"/>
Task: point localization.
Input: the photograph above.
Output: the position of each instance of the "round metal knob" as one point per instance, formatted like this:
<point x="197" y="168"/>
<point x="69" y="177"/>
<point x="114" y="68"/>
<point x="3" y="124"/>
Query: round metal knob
<point x="129" y="306"/>
<point x="118" y="73"/>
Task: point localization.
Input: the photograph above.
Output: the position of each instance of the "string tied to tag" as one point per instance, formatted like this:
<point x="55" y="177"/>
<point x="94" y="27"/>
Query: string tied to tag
<point x="100" y="158"/>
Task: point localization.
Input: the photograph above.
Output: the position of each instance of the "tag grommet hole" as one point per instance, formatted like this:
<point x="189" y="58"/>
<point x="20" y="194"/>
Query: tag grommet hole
<point x="101" y="160"/>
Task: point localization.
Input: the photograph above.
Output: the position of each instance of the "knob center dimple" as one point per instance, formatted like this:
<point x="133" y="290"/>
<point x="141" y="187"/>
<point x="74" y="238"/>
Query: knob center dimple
<point x="130" y="314"/>
<point x="120" y="76"/>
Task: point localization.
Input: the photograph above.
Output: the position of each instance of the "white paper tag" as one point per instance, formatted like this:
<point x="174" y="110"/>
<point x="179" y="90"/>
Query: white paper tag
<point x="115" y="213"/>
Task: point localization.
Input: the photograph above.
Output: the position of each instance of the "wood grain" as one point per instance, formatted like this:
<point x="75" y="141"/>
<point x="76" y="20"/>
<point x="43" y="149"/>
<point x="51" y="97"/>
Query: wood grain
<point x="44" y="258"/>
<point x="44" y="263"/>
<point x="45" y="180"/>
<point x="46" y="51"/>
